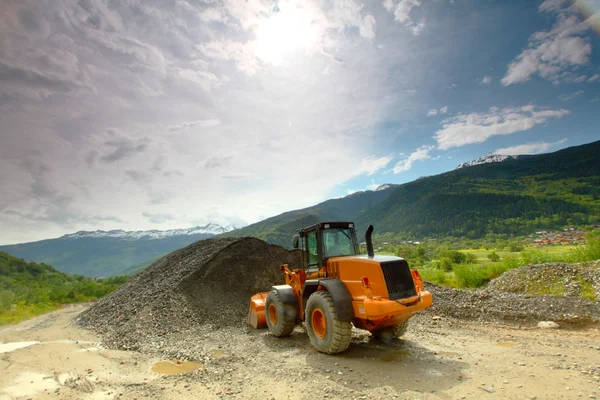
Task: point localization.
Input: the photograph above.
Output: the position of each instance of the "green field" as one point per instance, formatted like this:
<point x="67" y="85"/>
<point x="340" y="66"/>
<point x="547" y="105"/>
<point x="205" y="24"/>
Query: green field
<point x="462" y="264"/>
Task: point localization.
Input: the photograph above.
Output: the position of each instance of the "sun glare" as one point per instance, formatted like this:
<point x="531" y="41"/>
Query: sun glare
<point x="285" y="32"/>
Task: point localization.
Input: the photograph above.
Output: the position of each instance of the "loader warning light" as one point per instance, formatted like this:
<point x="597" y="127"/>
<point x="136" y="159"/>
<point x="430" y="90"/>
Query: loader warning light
<point x="365" y="282"/>
<point x="416" y="273"/>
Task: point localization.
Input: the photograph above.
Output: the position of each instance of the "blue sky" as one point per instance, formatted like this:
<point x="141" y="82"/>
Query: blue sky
<point x="156" y="115"/>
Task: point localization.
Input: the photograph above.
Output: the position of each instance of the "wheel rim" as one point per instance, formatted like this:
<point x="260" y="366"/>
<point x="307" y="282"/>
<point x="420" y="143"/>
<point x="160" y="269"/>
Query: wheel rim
<point x="319" y="323"/>
<point x="272" y="314"/>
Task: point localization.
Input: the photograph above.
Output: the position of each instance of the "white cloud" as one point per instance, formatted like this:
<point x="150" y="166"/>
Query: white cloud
<point x="371" y="165"/>
<point x="486" y="80"/>
<point x="594" y="78"/>
<point x="553" y="54"/>
<point x="568" y="97"/>
<point x="530" y="148"/>
<point x="471" y="128"/>
<point x="402" y="13"/>
<point x="207" y="123"/>
<point x="422" y="153"/>
<point x="276" y="35"/>
<point x="433" y="112"/>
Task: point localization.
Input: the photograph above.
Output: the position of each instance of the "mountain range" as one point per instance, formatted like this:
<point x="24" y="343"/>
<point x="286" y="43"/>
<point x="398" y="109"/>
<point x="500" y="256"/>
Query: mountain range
<point x="509" y="195"/>
<point x="116" y="252"/>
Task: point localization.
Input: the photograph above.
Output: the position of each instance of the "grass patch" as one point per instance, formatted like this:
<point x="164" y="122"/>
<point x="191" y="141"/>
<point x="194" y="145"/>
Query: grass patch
<point x="24" y="311"/>
<point x="553" y="288"/>
<point x="438" y="276"/>
<point x="587" y="290"/>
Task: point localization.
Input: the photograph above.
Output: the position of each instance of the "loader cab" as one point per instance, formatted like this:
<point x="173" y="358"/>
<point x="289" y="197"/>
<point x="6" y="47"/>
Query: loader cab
<point x="324" y="240"/>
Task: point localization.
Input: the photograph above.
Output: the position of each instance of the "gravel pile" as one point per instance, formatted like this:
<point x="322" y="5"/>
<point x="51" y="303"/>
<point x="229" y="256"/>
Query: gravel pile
<point x="206" y="284"/>
<point x="509" y="298"/>
<point x="580" y="280"/>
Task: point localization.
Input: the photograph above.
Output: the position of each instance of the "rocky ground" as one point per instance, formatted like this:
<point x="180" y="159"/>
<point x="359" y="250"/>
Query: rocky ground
<point x="186" y="314"/>
<point x="49" y="357"/>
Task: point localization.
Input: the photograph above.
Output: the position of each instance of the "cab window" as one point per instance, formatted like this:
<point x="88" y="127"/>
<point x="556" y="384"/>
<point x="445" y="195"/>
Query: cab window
<point x="311" y="249"/>
<point x="338" y="242"/>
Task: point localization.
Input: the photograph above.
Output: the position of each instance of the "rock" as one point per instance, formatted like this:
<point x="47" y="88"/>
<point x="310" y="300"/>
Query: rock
<point x="548" y="325"/>
<point x="489" y="389"/>
<point x="436" y="318"/>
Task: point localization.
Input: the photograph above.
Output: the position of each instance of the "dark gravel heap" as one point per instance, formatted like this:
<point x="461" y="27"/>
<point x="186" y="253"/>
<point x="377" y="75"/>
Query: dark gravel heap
<point x="505" y="299"/>
<point x="208" y="284"/>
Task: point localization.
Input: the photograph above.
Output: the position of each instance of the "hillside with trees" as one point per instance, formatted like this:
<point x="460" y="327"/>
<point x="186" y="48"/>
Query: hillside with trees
<point x="28" y="288"/>
<point x="513" y="198"/>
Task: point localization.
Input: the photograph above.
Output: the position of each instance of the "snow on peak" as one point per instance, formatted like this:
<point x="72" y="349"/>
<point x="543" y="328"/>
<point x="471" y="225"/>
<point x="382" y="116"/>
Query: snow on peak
<point x="487" y="159"/>
<point x="209" y="229"/>
<point x="384" y="187"/>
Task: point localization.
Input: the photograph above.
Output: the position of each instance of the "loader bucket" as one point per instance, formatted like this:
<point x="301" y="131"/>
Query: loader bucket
<point x="256" y="314"/>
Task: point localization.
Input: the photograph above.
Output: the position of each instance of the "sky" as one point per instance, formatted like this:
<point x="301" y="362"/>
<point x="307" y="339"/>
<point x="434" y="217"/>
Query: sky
<point x="161" y="114"/>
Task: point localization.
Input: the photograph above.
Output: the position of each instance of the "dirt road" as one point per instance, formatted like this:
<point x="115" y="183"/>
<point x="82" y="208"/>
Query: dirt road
<point x="48" y="357"/>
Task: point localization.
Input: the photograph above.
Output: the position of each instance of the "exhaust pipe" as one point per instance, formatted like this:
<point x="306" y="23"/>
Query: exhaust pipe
<point x="369" y="241"/>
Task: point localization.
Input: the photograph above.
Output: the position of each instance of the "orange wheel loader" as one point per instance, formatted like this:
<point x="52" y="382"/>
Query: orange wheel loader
<point x="337" y="287"/>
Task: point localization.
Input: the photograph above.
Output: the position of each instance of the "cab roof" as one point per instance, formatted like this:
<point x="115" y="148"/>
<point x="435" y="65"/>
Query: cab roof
<point x="332" y="224"/>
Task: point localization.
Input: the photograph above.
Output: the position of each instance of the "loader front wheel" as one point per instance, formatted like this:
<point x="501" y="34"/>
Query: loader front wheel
<point x="326" y="332"/>
<point x="281" y="318"/>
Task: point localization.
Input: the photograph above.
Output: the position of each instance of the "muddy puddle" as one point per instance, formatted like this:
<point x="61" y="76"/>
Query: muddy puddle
<point x="170" y="367"/>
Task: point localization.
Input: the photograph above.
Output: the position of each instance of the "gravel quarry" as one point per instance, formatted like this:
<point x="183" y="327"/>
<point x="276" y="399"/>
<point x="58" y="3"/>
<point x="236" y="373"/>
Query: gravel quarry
<point x="177" y="330"/>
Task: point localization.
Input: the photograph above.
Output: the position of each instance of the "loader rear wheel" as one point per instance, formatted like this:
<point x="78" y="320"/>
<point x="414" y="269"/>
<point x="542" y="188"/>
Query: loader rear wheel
<point x="391" y="332"/>
<point x="281" y="318"/>
<point x="326" y="332"/>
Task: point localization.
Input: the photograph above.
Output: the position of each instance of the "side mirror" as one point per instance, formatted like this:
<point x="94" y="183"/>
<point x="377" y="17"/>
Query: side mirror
<point x="296" y="241"/>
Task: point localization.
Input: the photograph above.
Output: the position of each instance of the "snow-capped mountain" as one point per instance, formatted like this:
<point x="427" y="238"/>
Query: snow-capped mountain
<point x="384" y="187"/>
<point x="116" y="252"/>
<point x="209" y="229"/>
<point x="487" y="159"/>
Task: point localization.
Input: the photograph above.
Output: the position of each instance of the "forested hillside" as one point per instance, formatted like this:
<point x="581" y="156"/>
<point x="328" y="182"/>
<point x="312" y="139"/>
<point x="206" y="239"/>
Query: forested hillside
<point x="27" y="287"/>
<point x="281" y="228"/>
<point x="514" y="197"/>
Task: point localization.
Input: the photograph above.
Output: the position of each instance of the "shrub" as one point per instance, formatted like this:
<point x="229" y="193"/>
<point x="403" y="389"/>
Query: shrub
<point x="471" y="258"/>
<point x="456" y="256"/>
<point x="515" y="247"/>
<point x="493" y="256"/>
<point x="446" y="264"/>
<point x="469" y="275"/>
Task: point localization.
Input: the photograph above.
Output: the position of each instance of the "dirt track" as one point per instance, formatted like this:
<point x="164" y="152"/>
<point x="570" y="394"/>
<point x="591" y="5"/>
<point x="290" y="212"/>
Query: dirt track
<point x="447" y="359"/>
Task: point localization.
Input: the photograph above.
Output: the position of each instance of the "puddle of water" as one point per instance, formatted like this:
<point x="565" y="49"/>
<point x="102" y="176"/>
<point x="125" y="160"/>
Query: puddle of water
<point x="217" y="353"/>
<point x="448" y="353"/>
<point x="394" y="356"/>
<point x="506" y="344"/>
<point x="172" y="367"/>
<point x="8" y="347"/>
<point x="30" y="383"/>
<point x="90" y="349"/>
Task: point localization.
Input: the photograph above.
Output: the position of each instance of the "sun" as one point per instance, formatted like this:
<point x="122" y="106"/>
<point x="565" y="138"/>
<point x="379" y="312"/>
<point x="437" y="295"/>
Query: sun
<point x="287" y="31"/>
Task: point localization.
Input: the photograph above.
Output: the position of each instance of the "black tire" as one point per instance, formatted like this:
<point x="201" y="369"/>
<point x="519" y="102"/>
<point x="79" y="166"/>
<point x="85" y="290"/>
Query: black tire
<point x="329" y="335"/>
<point x="391" y="332"/>
<point x="281" y="318"/>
